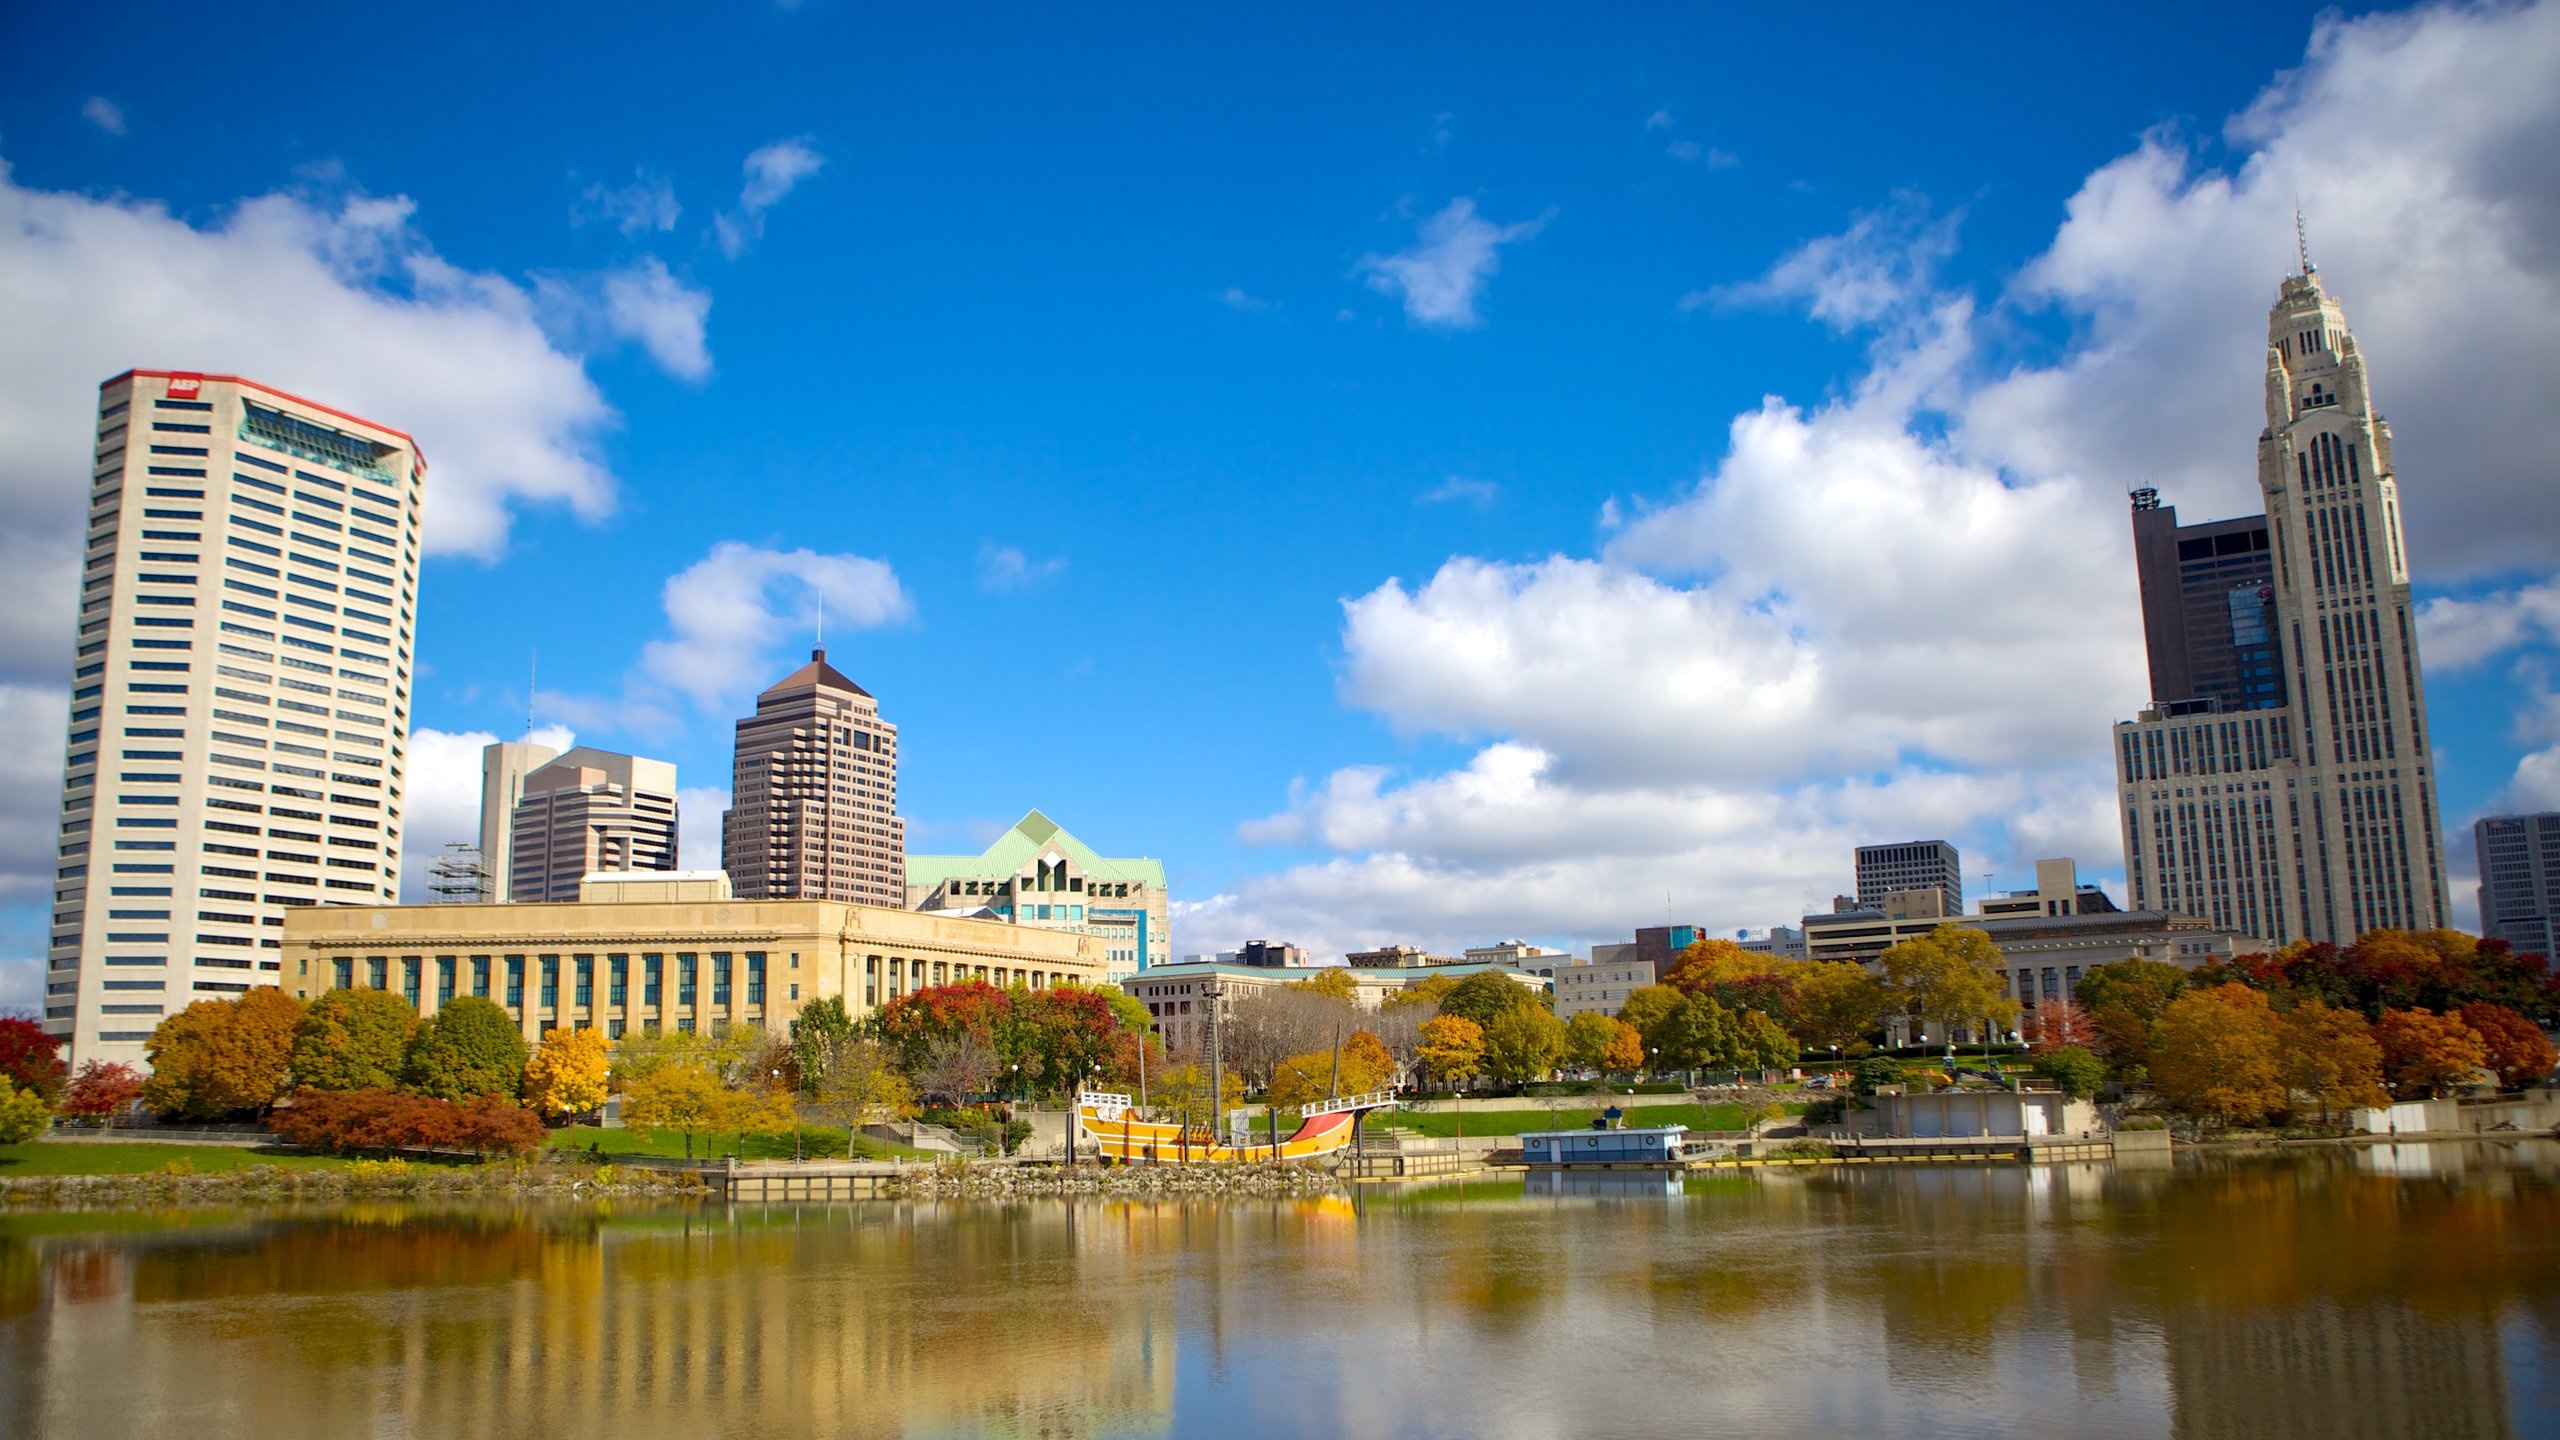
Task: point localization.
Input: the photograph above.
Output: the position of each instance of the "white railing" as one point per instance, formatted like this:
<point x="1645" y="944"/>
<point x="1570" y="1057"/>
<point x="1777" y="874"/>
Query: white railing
<point x="1370" y="1101"/>
<point x="1102" y="1100"/>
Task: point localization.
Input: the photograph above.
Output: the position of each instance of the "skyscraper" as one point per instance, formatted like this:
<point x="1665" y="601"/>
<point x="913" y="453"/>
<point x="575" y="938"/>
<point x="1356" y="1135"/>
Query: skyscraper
<point x="1910" y="865"/>
<point x="503" y="768"/>
<point x="2313" y="817"/>
<point x="813" y="805"/>
<point x="2520" y="880"/>
<point x="240" y="696"/>
<point x="586" y="811"/>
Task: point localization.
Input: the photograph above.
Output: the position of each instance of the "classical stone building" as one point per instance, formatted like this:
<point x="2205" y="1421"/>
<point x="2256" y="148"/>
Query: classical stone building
<point x="240" y="697"/>
<point x="2312" y="817"/>
<point x="813" y="798"/>
<point x="673" y="951"/>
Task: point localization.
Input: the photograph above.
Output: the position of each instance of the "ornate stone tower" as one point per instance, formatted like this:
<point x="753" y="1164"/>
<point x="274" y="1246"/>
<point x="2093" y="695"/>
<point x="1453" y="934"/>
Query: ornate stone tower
<point x="2314" y="819"/>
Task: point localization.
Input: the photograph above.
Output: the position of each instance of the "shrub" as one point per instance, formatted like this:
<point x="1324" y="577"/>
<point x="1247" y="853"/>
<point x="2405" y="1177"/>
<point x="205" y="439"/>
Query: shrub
<point x="1804" y="1150"/>
<point x="23" y="1113"/>
<point x="375" y="1121"/>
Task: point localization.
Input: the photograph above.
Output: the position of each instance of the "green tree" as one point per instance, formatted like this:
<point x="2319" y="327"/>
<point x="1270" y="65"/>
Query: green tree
<point x="1486" y="995"/>
<point x="818" y="1033"/>
<point x="1650" y="1011"/>
<point x="1876" y="1070"/>
<point x="353" y="1039"/>
<point x="1760" y="1043"/>
<point x="1949" y="978"/>
<point x="1429" y="991"/>
<point x="1700" y="1035"/>
<point x="469" y="1047"/>
<point x="2074" y="1068"/>
<point x="23" y="1113"/>
<point x="1522" y="1044"/>
<point x="219" y="1058"/>
<point x="859" y="1085"/>
<point x="1837" y="1003"/>
<point x="1587" y="1038"/>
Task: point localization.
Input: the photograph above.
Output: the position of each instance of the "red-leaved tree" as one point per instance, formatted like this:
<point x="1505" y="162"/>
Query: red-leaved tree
<point x="31" y="1059"/>
<point x="2518" y="1050"/>
<point x="102" y="1090"/>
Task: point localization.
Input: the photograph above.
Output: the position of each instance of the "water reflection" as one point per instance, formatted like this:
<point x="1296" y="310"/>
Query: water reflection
<point x="2337" y="1294"/>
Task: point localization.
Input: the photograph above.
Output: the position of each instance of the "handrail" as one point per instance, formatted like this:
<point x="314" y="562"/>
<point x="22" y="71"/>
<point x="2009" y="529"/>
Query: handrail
<point x="1371" y="1101"/>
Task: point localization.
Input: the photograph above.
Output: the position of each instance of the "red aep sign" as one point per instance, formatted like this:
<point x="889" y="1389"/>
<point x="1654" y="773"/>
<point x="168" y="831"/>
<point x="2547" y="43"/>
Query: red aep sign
<point x="184" y="387"/>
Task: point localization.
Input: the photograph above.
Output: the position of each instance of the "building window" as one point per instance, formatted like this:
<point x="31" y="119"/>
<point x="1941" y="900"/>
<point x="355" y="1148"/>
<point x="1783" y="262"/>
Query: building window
<point x="613" y="1029"/>
<point x="551" y="982"/>
<point x="409" y="968"/>
<point x="480" y="976"/>
<point x="586" y="972"/>
<point x="684" y="1025"/>
<point x="617" y="978"/>
<point x="685" y="981"/>
<point x="755" y="978"/>
<point x="444" y="978"/>
<point x="377" y="972"/>
<point x="719" y="979"/>
<point x="652" y="980"/>
<point x="347" y="974"/>
<point x="515" y="982"/>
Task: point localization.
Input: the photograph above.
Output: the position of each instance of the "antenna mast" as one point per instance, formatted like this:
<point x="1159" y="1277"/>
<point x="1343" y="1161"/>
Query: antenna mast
<point x="2302" y="243"/>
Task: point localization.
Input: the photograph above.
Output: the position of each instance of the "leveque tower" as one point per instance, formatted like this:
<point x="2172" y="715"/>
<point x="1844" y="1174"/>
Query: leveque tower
<point x="2281" y="782"/>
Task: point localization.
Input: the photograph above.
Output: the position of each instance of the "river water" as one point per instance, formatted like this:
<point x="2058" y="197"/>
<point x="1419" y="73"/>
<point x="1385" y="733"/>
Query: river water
<point x="2334" y="1294"/>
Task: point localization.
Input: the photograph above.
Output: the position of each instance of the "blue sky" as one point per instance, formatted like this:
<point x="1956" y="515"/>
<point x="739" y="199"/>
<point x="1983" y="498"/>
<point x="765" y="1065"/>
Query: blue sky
<point x="1327" y="454"/>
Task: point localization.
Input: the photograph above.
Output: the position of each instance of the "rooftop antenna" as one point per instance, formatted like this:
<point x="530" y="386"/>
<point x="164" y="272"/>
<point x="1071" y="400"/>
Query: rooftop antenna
<point x="822" y="622"/>
<point x="2302" y="242"/>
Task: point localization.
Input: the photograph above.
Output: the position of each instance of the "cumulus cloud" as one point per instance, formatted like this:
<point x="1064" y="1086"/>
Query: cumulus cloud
<point x="698" y="810"/>
<point x="1004" y="569"/>
<point x="336" y="297"/>
<point x="773" y="172"/>
<point x="1910" y="611"/>
<point x="1441" y="276"/>
<point x="443" y="802"/>
<point x="1235" y="298"/>
<point x="645" y="205"/>
<point x="729" y="611"/>
<point x="104" y="113"/>
<point x="640" y="303"/>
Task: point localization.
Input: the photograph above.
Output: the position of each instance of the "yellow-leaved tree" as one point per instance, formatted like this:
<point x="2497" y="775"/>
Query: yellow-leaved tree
<point x="1452" y="1048"/>
<point x="567" y="1072"/>
<point x="1305" y="1079"/>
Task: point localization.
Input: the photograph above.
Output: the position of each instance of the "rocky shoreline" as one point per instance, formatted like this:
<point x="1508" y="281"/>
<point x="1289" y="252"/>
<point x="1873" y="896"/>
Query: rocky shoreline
<point x="390" y="1179"/>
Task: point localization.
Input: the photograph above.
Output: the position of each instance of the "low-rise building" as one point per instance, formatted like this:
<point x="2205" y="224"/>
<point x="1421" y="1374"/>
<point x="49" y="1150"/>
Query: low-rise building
<point x="666" y="950"/>
<point x="1782" y="941"/>
<point x="1598" y="984"/>
<point x="1180" y="996"/>
<point x="1396" y="957"/>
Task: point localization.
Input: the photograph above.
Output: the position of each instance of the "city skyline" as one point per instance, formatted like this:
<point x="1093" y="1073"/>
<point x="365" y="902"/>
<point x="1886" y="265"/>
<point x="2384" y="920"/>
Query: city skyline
<point x="1350" y="602"/>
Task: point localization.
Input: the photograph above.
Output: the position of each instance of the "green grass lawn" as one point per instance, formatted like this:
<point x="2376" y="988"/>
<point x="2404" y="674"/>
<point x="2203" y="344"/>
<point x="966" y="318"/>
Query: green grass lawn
<point x="1568" y="1117"/>
<point x="579" y="1141"/>
<point x="143" y="1157"/>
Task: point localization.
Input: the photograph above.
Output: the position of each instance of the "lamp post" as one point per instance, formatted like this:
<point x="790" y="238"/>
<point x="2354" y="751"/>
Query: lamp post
<point x="795" y="1121"/>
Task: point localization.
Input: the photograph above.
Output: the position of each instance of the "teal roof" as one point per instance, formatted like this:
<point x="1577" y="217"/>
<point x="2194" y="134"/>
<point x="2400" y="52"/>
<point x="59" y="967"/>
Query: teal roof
<point x="1031" y="836"/>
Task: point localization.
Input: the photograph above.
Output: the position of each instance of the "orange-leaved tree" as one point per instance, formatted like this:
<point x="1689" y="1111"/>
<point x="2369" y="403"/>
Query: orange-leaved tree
<point x="1452" y="1048"/>
<point x="2213" y="1055"/>
<point x="2328" y="1057"/>
<point x="2518" y="1050"/>
<point x="2424" y="1055"/>
<point x="219" y="1058"/>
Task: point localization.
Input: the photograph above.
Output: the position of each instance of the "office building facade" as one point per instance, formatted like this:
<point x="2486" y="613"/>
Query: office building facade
<point x="2314" y="818"/>
<point x="2208" y="597"/>
<point x="813" y="797"/>
<point x="589" y="811"/>
<point x="2519" y="880"/>
<point x="1911" y="865"/>
<point x="1039" y="874"/>
<point x="503" y="768"/>
<point x="240" y="695"/>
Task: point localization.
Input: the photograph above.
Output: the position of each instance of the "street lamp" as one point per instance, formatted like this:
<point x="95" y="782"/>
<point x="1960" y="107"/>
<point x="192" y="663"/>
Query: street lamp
<point x="795" y="1122"/>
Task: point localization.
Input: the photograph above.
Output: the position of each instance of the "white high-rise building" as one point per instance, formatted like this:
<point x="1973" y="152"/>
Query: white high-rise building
<point x="2314" y="819"/>
<point x="503" y="768"/>
<point x="240" y="696"/>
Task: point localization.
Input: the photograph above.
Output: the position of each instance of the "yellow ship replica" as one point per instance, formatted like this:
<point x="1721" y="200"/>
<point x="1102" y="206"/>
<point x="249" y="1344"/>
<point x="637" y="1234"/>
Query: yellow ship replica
<point x="1110" y="1125"/>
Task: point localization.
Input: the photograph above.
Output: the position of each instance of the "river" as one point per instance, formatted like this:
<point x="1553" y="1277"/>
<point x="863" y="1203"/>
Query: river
<point x="2330" y="1294"/>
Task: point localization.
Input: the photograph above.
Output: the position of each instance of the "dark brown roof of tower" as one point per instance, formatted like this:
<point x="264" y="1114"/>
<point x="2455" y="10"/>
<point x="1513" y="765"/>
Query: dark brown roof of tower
<point x="817" y="672"/>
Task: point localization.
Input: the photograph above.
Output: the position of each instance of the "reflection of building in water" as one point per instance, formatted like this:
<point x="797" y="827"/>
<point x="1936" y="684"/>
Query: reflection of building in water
<point x="2327" y="1371"/>
<point x="787" y="1322"/>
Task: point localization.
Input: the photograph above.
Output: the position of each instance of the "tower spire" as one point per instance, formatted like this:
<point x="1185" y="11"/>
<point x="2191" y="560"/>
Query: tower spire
<point x="2302" y="243"/>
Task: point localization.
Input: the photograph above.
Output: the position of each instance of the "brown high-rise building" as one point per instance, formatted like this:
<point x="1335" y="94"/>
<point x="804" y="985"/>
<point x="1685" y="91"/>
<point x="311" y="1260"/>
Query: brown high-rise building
<point x="813" y="807"/>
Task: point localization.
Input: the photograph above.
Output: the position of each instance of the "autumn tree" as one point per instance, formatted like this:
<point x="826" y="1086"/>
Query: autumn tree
<point x="916" y="1022"/>
<point x="1625" y="1052"/>
<point x="1706" y="963"/>
<point x="1649" y="1011"/>
<point x="820" y="1031"/>
<point x="29" y="1058"/>
<point x="2518" y="1050"/>
<point x="2055" y="1024"/>
<point x="1587" y="1038"/>
<point x="219" y="1058"/>
<point x="2328" y="1057"/>
<point x="23" y="1112"/>
<point x="956" y="1067"/>
<point x="1264" y="1028"/>
<point x="470" y="1046"/>
<point x="1452" y="1048"/>
<point x="1949" y="978"/>
<point x="567" y="1073"/>
<point x="1522" y="1044"/>
<point x="1487" y="994"/>
<point x="1334" y="982"/>
<point x="1760" y="1043"/>
<point x="753" y="1110"/>
<point x="1837" y="1003"/>
<point x="2214" y="1055"/>
<point x="683" y="1098"/>
<point x="353" y="1038"/>
<point x="2425" y="1055"/>
<point x="2122" y="1000"/>
<point x="1182" y="1092"/>
<point x="103" y="1091"/>
<point x="1425" y="993"/>
<point x="859" y="1085"/>
<point x="1304" y="1079"/>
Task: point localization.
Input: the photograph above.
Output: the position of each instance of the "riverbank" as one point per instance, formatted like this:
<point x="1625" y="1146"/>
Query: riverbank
<point x="263" y="1178"/>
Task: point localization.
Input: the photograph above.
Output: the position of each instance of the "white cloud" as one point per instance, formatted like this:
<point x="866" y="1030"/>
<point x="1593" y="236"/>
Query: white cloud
<point x="645" y="205"/>
<point x="1684" y="149"/>
<point x="339" y="298"/>
<point x="1440" y="278"/>
<point x="104" y="113"/>
<point x="773" y="172"/>
<point x="1910" y="611"/>
<point x="1658" y="120"/>
<point x="442" y="806"/>
<point x="1004" y="569"/>
<point x="698" y="840"/>
<point x="728" y="612"/>
<point x="1234" y="298"/>
<point x="1478" y="493"/>
<point x="643" y="302"/>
